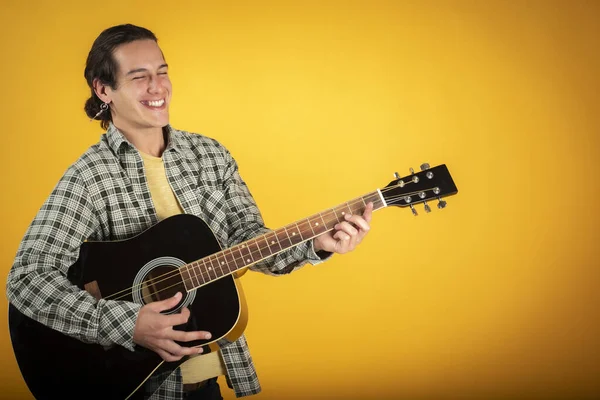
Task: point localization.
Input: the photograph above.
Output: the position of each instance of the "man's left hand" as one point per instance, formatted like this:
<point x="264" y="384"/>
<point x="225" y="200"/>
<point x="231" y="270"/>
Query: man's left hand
<point x="345" y="235"/>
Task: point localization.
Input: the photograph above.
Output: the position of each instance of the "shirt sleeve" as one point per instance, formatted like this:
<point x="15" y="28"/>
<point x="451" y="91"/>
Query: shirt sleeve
<point x="37" y="284"/>
<point x="245" y="222"/>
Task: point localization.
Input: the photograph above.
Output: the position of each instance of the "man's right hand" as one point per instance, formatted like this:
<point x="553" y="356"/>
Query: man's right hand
<point x="154" y="330"/>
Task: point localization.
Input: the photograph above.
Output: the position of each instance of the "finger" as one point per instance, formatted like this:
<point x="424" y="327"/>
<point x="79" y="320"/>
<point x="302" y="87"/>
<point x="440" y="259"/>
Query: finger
<point x="359" y="221"/>
<point x="165" y="304"/>
<point x="368" y="214"/>
<point x="173" y="348"/>
<point x="347" y="228"/>
<point x="341" y="246"/>
<point x="182" y="336"/>
<point x="176" y="319"/>
<point x="341" y="236"/>
<point x="167" y="356"/>
<point x="185" y="312"/>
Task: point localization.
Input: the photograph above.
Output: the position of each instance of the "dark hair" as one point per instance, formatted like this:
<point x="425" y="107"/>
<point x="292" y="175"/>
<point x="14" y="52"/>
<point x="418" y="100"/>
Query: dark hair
<point x="101" y="64"/>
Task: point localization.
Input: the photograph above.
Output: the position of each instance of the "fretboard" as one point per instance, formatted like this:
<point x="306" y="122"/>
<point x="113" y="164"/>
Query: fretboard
<point x="242" y="255"/>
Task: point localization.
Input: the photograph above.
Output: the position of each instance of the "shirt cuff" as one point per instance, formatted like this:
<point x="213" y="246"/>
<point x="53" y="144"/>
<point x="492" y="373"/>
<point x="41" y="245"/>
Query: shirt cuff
<point x="117" y="323"/>
<point x="315" y="258"/>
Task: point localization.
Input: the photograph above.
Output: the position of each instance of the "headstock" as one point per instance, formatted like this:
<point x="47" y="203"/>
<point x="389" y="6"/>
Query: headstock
<point x="419" y="187"/>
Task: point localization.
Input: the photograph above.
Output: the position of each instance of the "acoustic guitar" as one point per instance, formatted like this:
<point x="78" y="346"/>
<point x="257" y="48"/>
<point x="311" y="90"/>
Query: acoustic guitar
<point x="179" y="254"/>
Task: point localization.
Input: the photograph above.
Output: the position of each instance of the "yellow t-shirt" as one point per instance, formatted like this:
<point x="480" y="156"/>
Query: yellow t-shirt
<point x="199" y="367"/>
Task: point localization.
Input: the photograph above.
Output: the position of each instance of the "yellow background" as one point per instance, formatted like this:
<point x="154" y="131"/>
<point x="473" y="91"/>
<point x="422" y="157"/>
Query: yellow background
<point x="494" y="297"/>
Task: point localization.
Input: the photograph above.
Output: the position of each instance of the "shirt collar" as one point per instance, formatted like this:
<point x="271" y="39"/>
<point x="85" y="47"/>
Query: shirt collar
<point x="176" y="140"/>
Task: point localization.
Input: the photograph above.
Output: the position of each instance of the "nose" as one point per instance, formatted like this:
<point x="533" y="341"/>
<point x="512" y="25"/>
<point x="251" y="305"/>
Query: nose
<point x="154" y="85"/>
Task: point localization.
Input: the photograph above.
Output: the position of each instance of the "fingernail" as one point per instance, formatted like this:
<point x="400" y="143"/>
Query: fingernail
<point x="207" y="336"/>
<point x="200" y="350"/>
<point x="177" y="294"/>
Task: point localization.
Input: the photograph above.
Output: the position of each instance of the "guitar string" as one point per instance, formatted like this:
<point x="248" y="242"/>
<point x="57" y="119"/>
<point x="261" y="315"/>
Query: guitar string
<point x="210" y="257"/>
<point x="204" y="274"/>
<point x="235" y="259"/>
<point x="212" y="279"/>
<point x="171" y="274"/>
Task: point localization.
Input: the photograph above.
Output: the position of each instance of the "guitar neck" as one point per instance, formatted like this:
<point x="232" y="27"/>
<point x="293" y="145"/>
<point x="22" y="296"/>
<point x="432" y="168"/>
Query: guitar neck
<point x="225" y="262"/>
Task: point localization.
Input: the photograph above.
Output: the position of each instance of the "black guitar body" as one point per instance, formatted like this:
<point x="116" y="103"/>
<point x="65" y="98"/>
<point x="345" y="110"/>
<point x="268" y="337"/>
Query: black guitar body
<point x="56" y="366"/>
<point x="145" y="269"/>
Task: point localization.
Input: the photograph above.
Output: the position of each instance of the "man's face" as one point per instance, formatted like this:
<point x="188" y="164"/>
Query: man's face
<point x="141" y="99"/>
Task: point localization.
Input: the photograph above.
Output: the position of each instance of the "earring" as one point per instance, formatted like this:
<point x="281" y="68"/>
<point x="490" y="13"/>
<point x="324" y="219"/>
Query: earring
<point x="103" y="107"/>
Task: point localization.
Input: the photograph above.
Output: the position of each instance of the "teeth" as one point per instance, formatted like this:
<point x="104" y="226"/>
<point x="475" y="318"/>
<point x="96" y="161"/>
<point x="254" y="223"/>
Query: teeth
<point x="156" y="103"/>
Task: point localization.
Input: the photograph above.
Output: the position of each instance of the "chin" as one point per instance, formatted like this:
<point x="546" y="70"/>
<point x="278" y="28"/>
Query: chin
<point x="160" y="122"/>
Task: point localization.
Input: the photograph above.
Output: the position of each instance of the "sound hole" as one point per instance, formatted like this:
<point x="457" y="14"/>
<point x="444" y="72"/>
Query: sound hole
<point x="160" y="279"/>
<point x="161" y="283"/>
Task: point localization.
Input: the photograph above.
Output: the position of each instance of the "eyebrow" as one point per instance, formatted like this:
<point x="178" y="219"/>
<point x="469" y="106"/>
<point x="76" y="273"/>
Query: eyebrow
<point x="135" y="71"/>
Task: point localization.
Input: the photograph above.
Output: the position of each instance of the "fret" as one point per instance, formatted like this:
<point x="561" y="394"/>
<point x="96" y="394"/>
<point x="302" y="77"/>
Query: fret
<point x="337" y="215"/>
<point x="375" y="199"/>
<point x="254" y="250"/>
<point x="273" y="242"/>
<point x="305" y="229"/>
<point x="214" y="262"/>
<point x="220" y="261"/>
<point x="372" y="198"/>
<point x="294" y="234"/>
<point x="229" y="258"/>
<point x="346" y="209"/>
<point x="208" y="266"/>
<point x="194" y="274"/>
<point x="283" y="238"/>
<point x="263" y="246"/>
<point x="203" y="271"/>
<point x="358" y="206"/>
<point x="246" y="255"/>
<point x="316" y="225"/>
<point x="326" y="223"/>
<point x="186" y="278"/>
<point x="238" y="258"/>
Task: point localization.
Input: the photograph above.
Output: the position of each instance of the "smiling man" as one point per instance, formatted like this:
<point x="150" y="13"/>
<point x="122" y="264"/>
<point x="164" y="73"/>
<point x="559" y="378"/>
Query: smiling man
<point x="141" y="172"/>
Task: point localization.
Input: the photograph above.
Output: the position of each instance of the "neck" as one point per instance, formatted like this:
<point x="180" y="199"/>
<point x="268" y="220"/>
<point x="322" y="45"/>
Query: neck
<point x="150" y="140"/>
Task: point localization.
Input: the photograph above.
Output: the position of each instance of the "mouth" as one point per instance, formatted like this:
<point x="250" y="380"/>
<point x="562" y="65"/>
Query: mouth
<point x="154" y="104"/>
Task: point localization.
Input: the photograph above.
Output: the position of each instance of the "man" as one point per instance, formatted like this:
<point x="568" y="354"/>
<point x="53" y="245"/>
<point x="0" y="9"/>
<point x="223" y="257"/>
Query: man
<point x="141" y="172"/>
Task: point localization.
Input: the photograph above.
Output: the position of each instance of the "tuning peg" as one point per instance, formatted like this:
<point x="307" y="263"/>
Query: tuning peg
<point x="412" y="171"/>
<point x="441" y="203"/>
<point x="414" y="211"/>
<point x="396" y="175"/>
<point x="424" y="166"/>
<point x="426" y="206"/>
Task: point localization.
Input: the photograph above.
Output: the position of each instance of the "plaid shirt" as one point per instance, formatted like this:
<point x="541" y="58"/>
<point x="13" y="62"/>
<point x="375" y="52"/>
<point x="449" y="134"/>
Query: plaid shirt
<point x="104" y="196"/>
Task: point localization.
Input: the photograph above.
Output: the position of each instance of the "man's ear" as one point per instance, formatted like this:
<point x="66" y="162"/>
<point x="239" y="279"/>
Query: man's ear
<point x="101" y="91"/>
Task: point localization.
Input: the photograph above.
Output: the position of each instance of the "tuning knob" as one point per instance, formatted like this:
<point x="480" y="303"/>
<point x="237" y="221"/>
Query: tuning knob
<point x="396" y="175"/>
<point x="441" y="203"/>
<point x="425" y="166"/>
<point x="414" y="211"/>
<point x="426" y="206"/>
